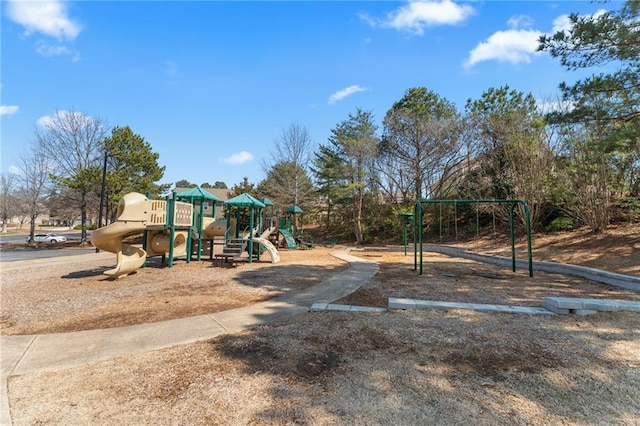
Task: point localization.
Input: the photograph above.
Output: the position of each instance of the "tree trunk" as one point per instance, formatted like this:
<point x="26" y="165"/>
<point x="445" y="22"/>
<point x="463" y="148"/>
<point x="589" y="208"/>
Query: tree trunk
<point x="357" y="222"/>
<point x="32" y="228"/>
<point x="83" y="219"/>
<point x="418" y="187"/>
<point x="357" y="210"/>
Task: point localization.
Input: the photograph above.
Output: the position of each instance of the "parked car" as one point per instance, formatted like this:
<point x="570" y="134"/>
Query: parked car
<point x="47" y="238"/>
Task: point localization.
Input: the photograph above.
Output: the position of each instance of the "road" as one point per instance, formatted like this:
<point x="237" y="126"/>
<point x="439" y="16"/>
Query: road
<point x="21" y="238"/>
<point x="41" y="253"/>
<point x="27" y="253"/>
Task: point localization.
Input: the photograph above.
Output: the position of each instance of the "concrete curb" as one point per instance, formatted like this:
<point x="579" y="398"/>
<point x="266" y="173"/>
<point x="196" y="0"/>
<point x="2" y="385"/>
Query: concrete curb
<point x="400" y="303"/>
<point x="584" y="306"/>
<point x="318" y="307"/>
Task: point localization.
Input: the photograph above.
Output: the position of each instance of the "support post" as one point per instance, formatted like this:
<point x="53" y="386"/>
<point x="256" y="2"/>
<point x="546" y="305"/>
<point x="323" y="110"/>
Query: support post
<point x="102" y="189"/>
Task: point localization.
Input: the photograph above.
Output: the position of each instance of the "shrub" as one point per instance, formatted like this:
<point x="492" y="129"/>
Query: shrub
<point x="89" y="227"/>
<point x="561" y="223"/>
<point x="629" y="203"/>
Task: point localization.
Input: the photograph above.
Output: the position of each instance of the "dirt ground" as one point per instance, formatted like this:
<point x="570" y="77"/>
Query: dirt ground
<point x="73" y="296"/>
<point x="434" y="366"/>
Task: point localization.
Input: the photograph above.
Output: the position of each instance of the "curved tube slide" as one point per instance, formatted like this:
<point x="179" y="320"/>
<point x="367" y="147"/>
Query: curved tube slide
<point x="109" y="239"/>
<point x="131" y="217"/>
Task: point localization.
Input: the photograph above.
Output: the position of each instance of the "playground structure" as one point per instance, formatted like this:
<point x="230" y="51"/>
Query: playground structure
<point x="238" y="240"/>
<point x="285" y="228"/>
<point x="274" y="227"/>
<point x="293" y="237"/>
<point x="418" y="212"/>
<point x="172" y="229"/>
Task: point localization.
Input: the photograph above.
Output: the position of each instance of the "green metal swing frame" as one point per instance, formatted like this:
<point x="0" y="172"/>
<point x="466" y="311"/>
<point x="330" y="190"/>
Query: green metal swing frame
<point x="418" y="227"/>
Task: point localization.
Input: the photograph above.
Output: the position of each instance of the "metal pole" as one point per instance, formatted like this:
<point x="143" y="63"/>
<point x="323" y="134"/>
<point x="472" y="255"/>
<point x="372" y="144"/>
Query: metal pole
<point x="102" y="188"/>
<point x="527" y="215"/>
<point x="440" y="221"/>
<point x="415" y="235"/>
<point x="455" y="218"/>
<point x="405" y="238"/>
<point x="420" y="236"/>
<point x="251" y="235"/>
<point x="513" y="238"/>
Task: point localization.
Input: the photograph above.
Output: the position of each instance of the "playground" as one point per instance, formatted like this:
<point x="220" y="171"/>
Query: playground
<point x="336" y="367"/>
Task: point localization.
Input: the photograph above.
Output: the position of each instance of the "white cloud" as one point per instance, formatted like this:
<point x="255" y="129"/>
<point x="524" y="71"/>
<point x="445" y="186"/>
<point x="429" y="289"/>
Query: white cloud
<point x="373" y="22"/>
<point x="561" y="23"/>
<point x="14" y="170"/>
<point x="61" y="117"/>
<point x="49" y="50"/>
<point x="520" y="21"/>
<point x="45" y="49"/>
<point x="47" y="17"/>
<point x="47" y="121"/>
<point x="341" y="94"/>
<point x="239" y="158"/>
<point x="416" y="15"/>
<point x="513" y="46"/>
<point x="555" y="106"/>
<point x="518" y="44"/>
<point x="8" y="109"/>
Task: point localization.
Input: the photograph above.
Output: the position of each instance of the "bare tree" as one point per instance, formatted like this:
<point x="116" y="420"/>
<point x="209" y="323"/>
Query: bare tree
<point x="7" y="199"/>
<point x="33" y="179"/>
<point x="420" y="137"/>
<point x="394" y="180"/>
<point x="61" y="210"/>
<point x="72" y="142"/>
<point x="287" y="171"/>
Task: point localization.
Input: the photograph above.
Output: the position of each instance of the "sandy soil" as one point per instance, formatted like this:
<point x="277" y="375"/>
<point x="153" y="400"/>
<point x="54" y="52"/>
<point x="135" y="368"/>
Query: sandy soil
<point x="437" y="367"/>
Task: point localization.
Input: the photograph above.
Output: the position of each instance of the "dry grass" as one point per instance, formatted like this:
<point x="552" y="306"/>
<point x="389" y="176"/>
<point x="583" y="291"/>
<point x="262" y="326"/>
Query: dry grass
<point x="73" y="296"/>
<point x="616" y="250"/>
<point x="435" y="366"/>
<point x="460" y="280"/>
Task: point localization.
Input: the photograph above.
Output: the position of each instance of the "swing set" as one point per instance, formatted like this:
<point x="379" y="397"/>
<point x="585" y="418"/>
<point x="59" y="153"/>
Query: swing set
<point x="418" y="212"/>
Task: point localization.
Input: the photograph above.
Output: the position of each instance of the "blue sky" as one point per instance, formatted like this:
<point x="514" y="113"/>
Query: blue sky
<point x="211" y="85"/>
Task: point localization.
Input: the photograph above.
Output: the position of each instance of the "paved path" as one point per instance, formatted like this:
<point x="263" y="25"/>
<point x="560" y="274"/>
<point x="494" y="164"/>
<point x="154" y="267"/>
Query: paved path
<point x="27" y="354"/>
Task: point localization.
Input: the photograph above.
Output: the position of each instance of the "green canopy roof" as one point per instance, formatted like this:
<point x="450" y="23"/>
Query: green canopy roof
<point x="294" y="210"/>
<point x="244" y="200"/>
<point x="198" y="193"/>
<point x="267" y="202"/>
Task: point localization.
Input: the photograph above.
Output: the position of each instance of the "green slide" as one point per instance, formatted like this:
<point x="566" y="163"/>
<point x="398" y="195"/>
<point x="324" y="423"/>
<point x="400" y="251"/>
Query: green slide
<point x="291" y="243"/>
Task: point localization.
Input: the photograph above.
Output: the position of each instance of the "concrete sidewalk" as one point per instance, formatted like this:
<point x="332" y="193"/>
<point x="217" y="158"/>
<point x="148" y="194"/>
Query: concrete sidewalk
<point x="27" y="354"/>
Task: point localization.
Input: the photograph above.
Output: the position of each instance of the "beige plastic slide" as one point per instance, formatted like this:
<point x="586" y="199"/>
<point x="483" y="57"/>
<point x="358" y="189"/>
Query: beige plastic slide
<point x="273" y="252"/>
<point x="268" y="231"/>
<point x="131" y="217"/>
